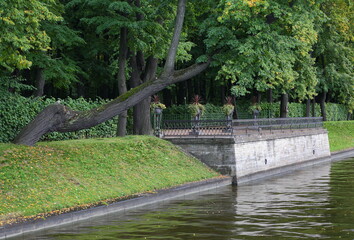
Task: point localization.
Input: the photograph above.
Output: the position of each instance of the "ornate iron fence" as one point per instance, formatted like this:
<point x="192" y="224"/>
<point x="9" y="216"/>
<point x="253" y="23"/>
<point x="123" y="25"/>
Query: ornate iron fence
<point x="196" y="128"/>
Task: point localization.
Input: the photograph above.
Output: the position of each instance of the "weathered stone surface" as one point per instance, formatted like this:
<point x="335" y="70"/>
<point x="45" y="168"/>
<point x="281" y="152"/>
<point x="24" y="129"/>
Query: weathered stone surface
<point x="243" y="157"/>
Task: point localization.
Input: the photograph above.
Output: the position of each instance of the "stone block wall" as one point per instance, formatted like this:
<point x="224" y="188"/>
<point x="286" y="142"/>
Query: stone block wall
<point x="251" y="158"/>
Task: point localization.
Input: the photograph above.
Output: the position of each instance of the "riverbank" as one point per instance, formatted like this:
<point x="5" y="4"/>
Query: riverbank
<point x="58" y="177"/>
<point x="340" y="135"/>
<point x="63" y="177"/>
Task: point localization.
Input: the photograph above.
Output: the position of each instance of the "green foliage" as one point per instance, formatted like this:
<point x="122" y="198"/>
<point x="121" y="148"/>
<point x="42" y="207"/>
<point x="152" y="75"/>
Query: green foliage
<point x="196" y="108"/>
<point x="13" y="84"/>
<point x="264" y="45"/>
<point x="228" y="109"/>
<point x="59" y="176"/>
<point x="17" y="111"/>
<point x="21" y="30"/>
<point x="334" y="52"/>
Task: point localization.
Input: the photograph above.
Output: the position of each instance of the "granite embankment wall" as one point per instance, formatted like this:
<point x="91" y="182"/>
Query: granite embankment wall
<point x="248" y="158"/>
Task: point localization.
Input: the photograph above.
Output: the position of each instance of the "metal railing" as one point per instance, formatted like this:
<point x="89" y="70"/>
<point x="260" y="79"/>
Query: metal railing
<point x="196" y="128"/>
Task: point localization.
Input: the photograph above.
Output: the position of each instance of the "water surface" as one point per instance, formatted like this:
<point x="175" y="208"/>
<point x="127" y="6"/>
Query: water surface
<point x="314" y="203"/>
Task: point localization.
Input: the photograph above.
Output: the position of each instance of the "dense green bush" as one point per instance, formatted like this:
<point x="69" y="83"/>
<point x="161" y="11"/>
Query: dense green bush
<point x="17" y="111"/>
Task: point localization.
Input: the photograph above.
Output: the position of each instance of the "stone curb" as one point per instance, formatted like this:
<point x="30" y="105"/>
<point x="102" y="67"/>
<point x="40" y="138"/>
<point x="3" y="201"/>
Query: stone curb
<point x="144" y="199"/>
<point x="261" y="176"/>
<point x="340" y="155"/>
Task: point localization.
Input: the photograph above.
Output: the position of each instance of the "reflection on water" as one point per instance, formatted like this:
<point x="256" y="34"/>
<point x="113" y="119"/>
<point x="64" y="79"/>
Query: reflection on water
<point x="314" y="203"/>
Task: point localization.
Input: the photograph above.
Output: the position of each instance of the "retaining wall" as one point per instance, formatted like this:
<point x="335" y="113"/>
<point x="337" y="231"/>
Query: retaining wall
<point x="248" y="158"/>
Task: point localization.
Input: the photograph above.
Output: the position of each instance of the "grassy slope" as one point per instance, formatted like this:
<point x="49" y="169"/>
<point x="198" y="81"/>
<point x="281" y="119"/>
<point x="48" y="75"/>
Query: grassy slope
<point x="59" y="175"/>
<point x="340" y="134"/>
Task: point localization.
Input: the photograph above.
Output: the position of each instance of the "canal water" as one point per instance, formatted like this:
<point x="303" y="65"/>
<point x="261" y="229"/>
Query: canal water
<point x="314" y="203"/>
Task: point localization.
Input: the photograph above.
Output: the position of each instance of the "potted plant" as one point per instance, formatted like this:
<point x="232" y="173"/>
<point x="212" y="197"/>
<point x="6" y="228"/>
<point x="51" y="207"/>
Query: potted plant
<point x="228" y="107"/>
<point x="255" y="109"/>
<point x="156" y="105"/>
<point x="197" y="110"/>
<point x="196" y="107"/>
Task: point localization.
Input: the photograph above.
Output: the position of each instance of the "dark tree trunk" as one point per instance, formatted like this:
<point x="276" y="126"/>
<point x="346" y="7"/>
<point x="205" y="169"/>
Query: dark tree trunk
<point x="40" y="82"/>
<point x="167" y="98"/>
<point x="181" y="92"/>
<point x="190" y="91"/>
<point x="142" y="121"/>
<point x="211" y="90"/>
<point x="284" y="105"/>
<point x="259" y="97"/>
<point x="308" y="107"/>
<point x="270" y="95"/>
<point x="313" y="107"/>
<point x="122" y="86"/>
<point x="141" y="117"/>
<point x="323" y="106"/>
<point x="349" y="116"/>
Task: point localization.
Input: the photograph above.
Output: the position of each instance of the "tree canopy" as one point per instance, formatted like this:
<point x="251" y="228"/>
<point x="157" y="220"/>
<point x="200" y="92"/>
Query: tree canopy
<point x="103" y="48"/>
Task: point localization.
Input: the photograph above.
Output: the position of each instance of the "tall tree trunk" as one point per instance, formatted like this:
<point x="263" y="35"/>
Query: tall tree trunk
<point x="181" y="92"/>
<point x="122" y="86"/>
<point x="167" y="98"/>
<point x="308" y="107"/>
<point x="40" y="82"/>
<point x="284" y="105"/>
<point x="259" y="97"/>
<point x="270" y="95"/>
<point x="323" y="105"/>
<point x="313" y="107"/>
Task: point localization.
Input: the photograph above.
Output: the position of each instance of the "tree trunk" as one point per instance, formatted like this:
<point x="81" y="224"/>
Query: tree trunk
<point x="122" y="86"/>
<point x="40" y="82"/>
<point x="59" y="118"/>
<point x="142" y="121"/>
<point x="323" y="105"/>
<point x="167" y="98"/>
<point x="284" y="106"/>
<point x="141" y="117"/>
<point x="259" y="97"/>
<point x="270" y="95"/>
<point x="313" y="107"/>
<point x="308" y="106"/>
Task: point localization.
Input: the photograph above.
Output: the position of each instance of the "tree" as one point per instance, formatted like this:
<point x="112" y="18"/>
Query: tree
<point x="265" y="45"/>
<point x="21" y="31"/>
<point x="334" y="55"/>
<point x="60" y="118"/>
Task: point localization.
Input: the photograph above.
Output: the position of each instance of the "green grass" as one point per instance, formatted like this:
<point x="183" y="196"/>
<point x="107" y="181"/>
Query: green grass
<point x="340" y="134"/>
<point x="61" y="175"/>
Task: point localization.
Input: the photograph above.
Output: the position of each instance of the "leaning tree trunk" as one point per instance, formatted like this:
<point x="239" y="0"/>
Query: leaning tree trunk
<point x="59" y="118"/>
<point x="323" y="105"/>
<point x="122" y="86"/>
<point x="284" y="105"/>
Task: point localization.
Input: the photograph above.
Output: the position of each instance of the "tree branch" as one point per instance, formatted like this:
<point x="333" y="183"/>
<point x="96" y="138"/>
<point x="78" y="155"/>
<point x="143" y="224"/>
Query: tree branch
<point x="171" y="56"/>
